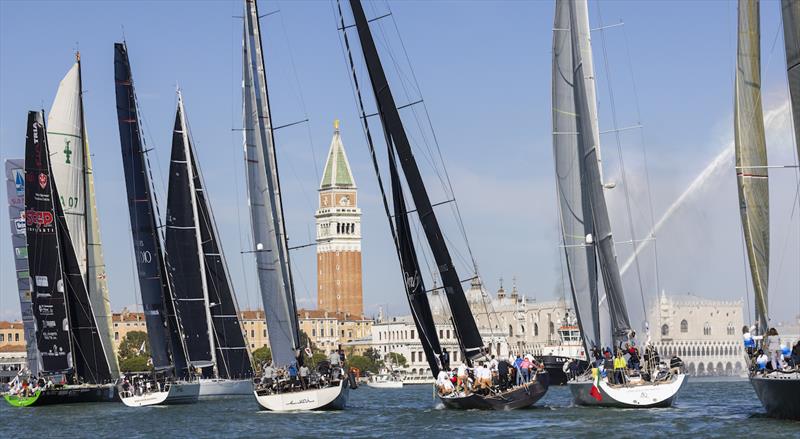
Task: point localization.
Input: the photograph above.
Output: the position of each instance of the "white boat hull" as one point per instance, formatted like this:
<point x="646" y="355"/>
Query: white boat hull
<point x="386" y="384"/>
<point x="210" y="388"/>
<point x="175" y="393"/>
<point x="645" y="395"/>
<point x="328" y="398"/>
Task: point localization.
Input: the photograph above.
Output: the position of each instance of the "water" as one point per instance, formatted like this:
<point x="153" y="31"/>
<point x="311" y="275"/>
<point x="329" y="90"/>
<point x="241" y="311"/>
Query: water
<point x="704" y="409"/>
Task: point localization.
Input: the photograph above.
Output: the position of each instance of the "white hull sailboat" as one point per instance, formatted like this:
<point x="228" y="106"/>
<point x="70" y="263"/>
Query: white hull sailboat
<point x="637" y="394"/>
<point x="213" y="387"/>
<point x="385" y="382"/>
<point x="180" y="392"/>
<point x="326" y="398"/>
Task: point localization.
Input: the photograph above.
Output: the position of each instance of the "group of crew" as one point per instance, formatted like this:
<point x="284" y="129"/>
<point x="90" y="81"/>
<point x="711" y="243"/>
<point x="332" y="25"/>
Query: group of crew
<point x="772" y="355"/>
<point x="485" y="378"/>
<point x="29" y="386"/>
<point x="294" y="378"/>
<point x="627" y="364"/>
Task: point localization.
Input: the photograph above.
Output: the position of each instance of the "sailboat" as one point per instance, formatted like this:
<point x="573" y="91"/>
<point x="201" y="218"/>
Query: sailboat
<point x="271" y="250"/>
<point x="778" y="390"/>
<point x="170" y="382"/>
<point x="214" y="335"/>
<point x="399" y="150"/>
<point x="73" y="365"/>
<point x="585" y="224"/>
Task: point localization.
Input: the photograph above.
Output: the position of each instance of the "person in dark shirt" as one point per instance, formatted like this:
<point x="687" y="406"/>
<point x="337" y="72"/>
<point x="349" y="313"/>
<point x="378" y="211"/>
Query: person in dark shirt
<point x="445" y="359"/>
<point x="503" y="367"/>
<point x="795" y="359"/>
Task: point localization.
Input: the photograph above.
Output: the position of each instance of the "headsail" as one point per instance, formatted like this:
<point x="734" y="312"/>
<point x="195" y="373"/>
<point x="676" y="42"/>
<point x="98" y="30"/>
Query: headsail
<point x="71" y="163"/>
<point x="397" y="140"/>
<point x="163" y="331"/>
<point x="586" y="111"/>
<point x="790" y="10"/>
<point x="751" y="155"/>
<point x="266" y="208"/>
<point x="574" y="205"/>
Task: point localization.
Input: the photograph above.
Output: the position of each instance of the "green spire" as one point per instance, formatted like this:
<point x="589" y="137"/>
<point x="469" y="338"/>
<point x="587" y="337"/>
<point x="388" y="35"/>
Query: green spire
<point x="337" y="169"/>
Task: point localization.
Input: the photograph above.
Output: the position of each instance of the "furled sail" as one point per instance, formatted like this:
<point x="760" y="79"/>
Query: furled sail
<point x="266" y="208"/>
<point x="586" y="111"/>
<point x="463" y="320"/>
<point x="71" y="163"/>
<point x="751" y="154"/>
<point x="163" y="331"/>
<point x="184" y="250"/>
<point x="574" y="205"/>
<point x="790" y="10"/>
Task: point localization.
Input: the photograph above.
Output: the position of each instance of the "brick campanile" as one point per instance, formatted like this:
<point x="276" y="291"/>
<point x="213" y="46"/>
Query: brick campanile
<point x="338" y="235"/>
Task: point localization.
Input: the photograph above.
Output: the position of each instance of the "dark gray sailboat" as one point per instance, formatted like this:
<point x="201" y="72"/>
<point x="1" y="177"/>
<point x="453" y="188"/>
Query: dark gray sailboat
<point x="399" y="216"/>
<point x="73" y="365"/>
<point x="778" y="390"/>
<point x="204" y="296"/>
<point x="172" y="378"/>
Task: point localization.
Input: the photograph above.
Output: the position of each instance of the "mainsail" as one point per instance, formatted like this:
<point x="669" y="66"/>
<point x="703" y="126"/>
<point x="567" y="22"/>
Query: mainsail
<point x="67" y="333"/>
<point x="790" y="10"/>
<point x="574" y="205"/>
<point x="397" y="141"/>
<point x="71" y="163"/>
<point x="751" y="155"/>
<point x="166" y="346"/>
<point x="266" y="208"/>
<point x="184" y="250"/>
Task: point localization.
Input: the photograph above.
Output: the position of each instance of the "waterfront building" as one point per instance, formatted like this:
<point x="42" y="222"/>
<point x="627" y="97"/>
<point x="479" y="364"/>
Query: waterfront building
<point x="124" y="322"/>
<point x="338" y="223"/>
<point x="328" y="330"/>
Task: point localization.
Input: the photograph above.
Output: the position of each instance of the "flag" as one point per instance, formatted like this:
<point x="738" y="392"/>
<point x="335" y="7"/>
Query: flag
<point x="595" y="392"/>
<point x="141" y="348"/>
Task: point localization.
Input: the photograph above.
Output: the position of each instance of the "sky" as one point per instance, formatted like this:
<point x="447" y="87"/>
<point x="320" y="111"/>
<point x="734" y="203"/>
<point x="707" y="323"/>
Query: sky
<point x="483" y="69"/>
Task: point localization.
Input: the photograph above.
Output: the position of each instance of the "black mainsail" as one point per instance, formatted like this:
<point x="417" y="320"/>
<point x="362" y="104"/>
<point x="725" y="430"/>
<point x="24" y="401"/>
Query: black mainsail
<point x="463" y="321"/>
<point x="66" y="331"/>
<point x="198" y="267"/>
<point x="166" y="346"/>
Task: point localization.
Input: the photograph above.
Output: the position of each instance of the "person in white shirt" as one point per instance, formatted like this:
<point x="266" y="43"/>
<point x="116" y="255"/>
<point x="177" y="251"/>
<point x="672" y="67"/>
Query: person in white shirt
<point x="463" y="378"/>
<point x="443" y="383"/>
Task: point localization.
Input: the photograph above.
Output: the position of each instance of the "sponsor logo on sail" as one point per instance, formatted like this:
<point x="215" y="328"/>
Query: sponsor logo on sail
<point x="38" y="218"/>
<point x="42" y="180"/>
<point x="19" y="225"/>
<point x="42" y="281"/>
<point x="19" y="181"/>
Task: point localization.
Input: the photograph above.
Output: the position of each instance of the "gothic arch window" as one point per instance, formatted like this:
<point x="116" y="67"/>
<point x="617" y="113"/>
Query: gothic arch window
<point x="511" y="330"/>
<point x="730" y="329"/>
<point x="522" y="328"/>
<point x="707" y="328"/>
<point x="665" y="330"/>
<point x="535" y="329"/>
<point x="552" y="328"/>
<point x="684" y="326"/>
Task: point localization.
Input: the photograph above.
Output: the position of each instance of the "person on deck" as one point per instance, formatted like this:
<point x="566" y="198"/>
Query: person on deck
<point x="525" y="370"/>
<point x="750" y="340"/>
<point x="608" y="365"/>
<point x="268" y="375"/>
<point x="518" y="370"/>
<point x="502" y="373"/>
<point x="619" y="367"/>
<point x="774" y="349"/>
<point x="462" y="378"/>
<point x="445" y="359"/>
<point x="633" y="358"/>
<point x="304" y="376"/>
<point x="443" y="383"/>
<point x="761" y="361"/>
<point x="796" y="355"/>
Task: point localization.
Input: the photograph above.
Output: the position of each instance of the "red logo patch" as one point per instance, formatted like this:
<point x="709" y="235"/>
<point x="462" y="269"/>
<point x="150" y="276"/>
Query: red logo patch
<point x="42" y="181"/>
<point x="38" y="218"/>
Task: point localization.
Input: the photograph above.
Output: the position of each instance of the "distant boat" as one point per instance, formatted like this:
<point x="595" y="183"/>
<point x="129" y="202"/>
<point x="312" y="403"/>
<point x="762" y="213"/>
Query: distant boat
<point x="271" y="250"/>
<point x="171" y="382"/>
<point x="779" y="391"/>
<point x="558" y="358"/>
<point x="214" y="335"/>
<point x="73" y="365"/>
<point x="585" y="224"/>
<point x="400" y="152"/>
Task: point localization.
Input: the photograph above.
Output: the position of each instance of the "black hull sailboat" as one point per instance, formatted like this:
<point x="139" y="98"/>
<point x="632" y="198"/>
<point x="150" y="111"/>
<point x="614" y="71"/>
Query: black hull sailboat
<point x="554" y="365"/>
<point x="67" y="395"/>
<point x="779" y="393"/>
<point x="519" y="397"/>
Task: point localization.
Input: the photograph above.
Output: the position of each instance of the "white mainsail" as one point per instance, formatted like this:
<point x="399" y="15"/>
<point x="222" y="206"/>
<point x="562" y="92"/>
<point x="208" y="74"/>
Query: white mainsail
<point x="72" y="170"/>
<point x="266" y="209"/>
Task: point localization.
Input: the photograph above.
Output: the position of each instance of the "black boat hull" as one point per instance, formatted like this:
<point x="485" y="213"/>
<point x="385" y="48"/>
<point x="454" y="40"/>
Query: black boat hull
<point x="554" y="365"/>
<point x="779" y="394"/>
<point x="69" y="395"/>
<point x="517" y="398"/>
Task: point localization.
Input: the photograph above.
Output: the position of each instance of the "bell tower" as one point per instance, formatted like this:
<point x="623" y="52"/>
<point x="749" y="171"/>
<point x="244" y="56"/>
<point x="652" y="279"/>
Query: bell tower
<point x="338" y="235"/>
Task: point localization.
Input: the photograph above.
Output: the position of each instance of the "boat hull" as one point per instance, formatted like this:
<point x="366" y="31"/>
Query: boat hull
<point x="66" y="395"/>
<point x="328" y="398"/>
<point x="210" y="388"/>
<point x="386" y="384"/>
<point x="779" y="394"/>
<point x="554" y="365"/>
<point x="176" y="393"/>
<point x="517" y="398"/>
<point x="631" y="396"/>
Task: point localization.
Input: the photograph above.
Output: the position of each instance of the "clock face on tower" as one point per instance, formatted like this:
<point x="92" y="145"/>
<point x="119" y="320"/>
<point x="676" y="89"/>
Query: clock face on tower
<point x="344" y="201"/>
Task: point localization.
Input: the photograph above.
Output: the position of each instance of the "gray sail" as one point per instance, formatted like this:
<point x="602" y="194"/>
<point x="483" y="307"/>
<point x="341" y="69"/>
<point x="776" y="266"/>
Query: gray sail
<point x="586" y="115"/>
<point x="790" y="10"/>
<point x="574" y="207"/>
<point x="266" y="208"/>
<point x="751" y="154"/>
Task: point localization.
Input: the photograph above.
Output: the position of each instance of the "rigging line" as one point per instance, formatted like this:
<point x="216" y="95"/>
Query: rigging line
<point x="644" y="159"/>
<point x="621" y="160"/>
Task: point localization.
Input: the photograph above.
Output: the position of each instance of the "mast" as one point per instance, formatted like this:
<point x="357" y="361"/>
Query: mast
<point x="586" y="111"/>
<point x="574" y="205"/>
<point x="166" y="343"/>
<point x="184" y="251"/>
<point x="266" y="206"/>
<point x="790" y="11"/>
<point x="463" y="320"/>
<point x="751" y="155"/>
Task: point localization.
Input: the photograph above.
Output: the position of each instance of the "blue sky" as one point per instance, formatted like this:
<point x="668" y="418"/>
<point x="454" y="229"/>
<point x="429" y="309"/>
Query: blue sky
<point x="484" y="71"/>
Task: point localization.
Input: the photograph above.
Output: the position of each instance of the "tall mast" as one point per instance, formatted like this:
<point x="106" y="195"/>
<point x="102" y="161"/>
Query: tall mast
<point x="790" y="11"/>
<point x="463" y="320"/>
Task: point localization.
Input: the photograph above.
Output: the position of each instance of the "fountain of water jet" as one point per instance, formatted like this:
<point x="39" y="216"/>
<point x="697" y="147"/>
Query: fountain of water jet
<point x="722" y="162"/>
